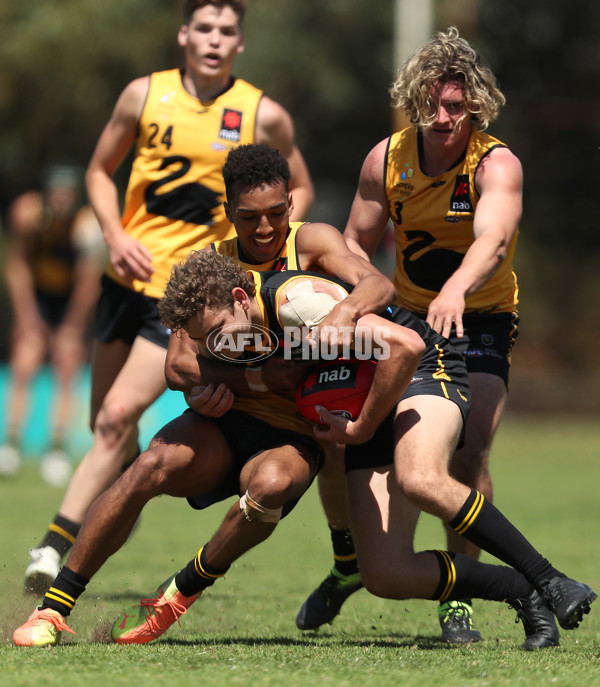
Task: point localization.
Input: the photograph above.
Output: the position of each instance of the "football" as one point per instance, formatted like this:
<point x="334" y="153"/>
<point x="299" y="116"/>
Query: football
<point x="339" y="385"/>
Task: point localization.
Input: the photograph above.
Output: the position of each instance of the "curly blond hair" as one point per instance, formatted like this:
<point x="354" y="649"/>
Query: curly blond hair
<point x="204" y="280"/>
<point x="446" y="58"/>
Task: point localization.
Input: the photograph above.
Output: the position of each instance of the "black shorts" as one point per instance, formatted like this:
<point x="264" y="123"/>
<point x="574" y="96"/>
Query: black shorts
<point x="487" y="342"/>
<point x="247" y="436"/>
<point x="442" y="372"/>
<point x="124" y="314"/>
<point x="52" y="308"/>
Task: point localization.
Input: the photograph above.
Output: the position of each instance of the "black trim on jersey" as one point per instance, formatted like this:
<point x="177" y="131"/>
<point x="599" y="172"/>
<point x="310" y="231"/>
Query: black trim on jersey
<point x="487" y="152"/>
<point x="385" y="161"/>
<point x="420" y="154"/>
<point x="228" y="86"/>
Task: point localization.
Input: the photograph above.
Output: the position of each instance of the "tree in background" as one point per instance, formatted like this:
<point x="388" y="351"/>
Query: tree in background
<point x="329" y="62"/>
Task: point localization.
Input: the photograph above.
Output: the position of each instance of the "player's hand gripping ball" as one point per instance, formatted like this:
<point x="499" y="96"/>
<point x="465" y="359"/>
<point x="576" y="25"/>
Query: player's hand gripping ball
<point x="339" y="385"/>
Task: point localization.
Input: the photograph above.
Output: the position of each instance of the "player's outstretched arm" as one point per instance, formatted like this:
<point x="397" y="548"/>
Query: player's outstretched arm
<point x="321" y="248"/>
<point x="399" y="351"/>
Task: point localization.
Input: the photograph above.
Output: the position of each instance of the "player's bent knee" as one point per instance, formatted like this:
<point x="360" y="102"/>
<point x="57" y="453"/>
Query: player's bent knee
<point x="274" y="482"/>
<point x="112" y="421"/>
<point x="148" y="469"/>
<point x="421" y="490"/>
<point x="255" y="512"/>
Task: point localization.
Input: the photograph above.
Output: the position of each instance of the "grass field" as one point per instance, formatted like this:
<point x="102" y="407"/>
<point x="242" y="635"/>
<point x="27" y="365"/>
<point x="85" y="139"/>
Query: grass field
<point x="242" y="631"/>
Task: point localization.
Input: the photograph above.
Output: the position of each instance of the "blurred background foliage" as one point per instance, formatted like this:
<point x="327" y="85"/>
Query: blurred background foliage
<point x="63" y="64"/>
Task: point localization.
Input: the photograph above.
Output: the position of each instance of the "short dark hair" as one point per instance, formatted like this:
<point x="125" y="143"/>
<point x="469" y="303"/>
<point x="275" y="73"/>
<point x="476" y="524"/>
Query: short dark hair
<point x="190" y="6"/>
<point x="253" y="165"/>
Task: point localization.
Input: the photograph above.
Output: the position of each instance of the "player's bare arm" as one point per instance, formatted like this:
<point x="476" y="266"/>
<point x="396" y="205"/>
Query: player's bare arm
<point x="399" y="360"/>
<point x="130" y="259"/>
<point x="499" y="182"/>
<point x="202" y="381"/>
<point x="321" y="248"/>
<point x="23" y="216"/>
<point x="274" y="126"/>
<point x="369" y="213"/>
<point x="397" y="348"/>
<point x="188" y="371"/>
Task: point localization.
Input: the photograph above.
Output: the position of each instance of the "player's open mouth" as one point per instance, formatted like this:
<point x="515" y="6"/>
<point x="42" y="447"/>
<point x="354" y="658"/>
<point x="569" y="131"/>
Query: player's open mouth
<point x="212" y="59"/>
<point x="264" y="241"/>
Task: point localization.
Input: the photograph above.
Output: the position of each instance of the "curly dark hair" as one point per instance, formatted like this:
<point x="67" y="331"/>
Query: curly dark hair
<point x="190" y="6"/>
<point x="204" y="280"/>
<point x="253" y="165"/>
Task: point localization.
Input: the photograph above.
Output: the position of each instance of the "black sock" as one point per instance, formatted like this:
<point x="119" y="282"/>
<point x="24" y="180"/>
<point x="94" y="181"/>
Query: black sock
<point x="61" y="534"/>
<point x="344" y="554"/>
<point x="197" y="575"/>
<point x="483" y="524"/>
<point x="463" y="577"/>
<point x="64" y="592"/>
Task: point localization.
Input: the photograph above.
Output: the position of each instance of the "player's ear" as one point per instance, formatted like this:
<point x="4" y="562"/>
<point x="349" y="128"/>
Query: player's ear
<point x="228" y="212"/>
<point x="240" y="297"/>
<point x="242" y="44"/>
<point x="182" y="35"/>
<point x="290" y="203"/>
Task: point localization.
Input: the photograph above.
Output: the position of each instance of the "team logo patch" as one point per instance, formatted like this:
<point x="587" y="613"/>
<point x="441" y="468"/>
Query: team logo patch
<point x="231" y="125"/>
<point x="460" y="201"/>
<point x="487" y="339"/>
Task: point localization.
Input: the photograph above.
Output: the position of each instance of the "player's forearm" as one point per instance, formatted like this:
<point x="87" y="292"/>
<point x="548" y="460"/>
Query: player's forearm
<point x="104" y="198"/>
<point x="479" y="265"/>
<point x="400" y="356"/>
<point x="372" y="294"/>
<point x="185" y="368"/>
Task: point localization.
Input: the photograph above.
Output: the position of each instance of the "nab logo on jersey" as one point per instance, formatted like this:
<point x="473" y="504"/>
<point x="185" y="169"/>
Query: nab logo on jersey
<point x="460" y="201"/>
<point x="231" y="125"/>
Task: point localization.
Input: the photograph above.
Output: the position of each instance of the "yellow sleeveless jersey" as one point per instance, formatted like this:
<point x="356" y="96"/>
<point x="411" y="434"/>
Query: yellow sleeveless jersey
<point x="174" y="199"/>
<point x="278" y="408"/>
<point x="433" y="225"/>
<point x="286" y="260"/>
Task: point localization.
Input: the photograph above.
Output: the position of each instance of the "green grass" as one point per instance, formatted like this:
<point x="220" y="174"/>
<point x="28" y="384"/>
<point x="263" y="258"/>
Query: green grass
<point x="242" y="631"/>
